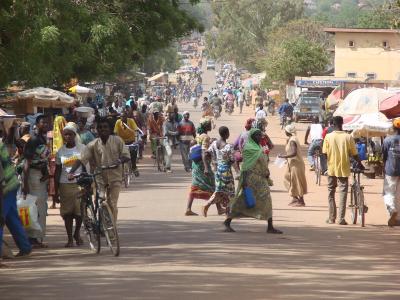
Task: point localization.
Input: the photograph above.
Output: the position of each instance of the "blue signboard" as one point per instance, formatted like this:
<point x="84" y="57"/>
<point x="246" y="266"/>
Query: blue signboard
<point x="318" y="83"/>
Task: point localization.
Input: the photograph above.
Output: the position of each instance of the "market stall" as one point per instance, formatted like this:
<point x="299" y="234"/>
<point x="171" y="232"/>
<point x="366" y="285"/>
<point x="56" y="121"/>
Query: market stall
<point x="371" y="128"/>
<point x="28" y="101"/>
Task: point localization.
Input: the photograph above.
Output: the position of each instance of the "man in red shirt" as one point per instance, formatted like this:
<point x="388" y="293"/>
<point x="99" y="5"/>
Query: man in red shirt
<point x="155" y="127"/>
<point x="187" y="132"/>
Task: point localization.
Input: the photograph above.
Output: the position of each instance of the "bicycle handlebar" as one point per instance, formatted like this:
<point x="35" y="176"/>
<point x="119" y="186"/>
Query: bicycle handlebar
<point x="102" y="168"/>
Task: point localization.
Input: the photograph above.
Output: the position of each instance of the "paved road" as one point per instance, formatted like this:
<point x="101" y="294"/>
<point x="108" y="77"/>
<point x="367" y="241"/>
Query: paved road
<point x="166" y="255"/>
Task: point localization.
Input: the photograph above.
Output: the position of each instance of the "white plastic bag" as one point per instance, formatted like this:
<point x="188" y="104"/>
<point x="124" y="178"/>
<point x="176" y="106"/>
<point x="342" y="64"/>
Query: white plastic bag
<point x="28" y="212"/>
<point x="280" y="162"/>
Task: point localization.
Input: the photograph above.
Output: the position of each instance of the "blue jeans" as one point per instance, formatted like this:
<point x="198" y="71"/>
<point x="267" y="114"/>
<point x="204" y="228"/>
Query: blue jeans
<point x="311" y="149"/>
<point x="13" y="223"/>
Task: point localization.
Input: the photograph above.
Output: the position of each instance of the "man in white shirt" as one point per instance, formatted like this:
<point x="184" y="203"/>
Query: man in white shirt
<point x="314" y="135"/>
<point x="260" y="112"/>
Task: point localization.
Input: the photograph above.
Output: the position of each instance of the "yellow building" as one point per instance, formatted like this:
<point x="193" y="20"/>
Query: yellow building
<point x="367" y="54"/>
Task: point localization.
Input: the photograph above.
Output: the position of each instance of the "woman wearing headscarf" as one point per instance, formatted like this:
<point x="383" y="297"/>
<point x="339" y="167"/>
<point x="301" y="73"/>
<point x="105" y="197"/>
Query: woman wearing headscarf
<point x="295" y="176"/>
<point x="254" y="175"/>
<point x="222" y="152"/>
<point x="85" y="135"/>
<point x="68" y="191"/>
<point x="240" y="142"/>
<point x="203" y="185"/>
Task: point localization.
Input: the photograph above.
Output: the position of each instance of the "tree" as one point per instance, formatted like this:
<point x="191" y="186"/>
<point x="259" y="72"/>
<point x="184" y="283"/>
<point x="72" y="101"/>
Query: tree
<point x="46" y="42"/>
<point x="242" y="27"/>
<point x="294" y="57"/>
<point x="295" y="49"/>
<point x="165" y="60"/>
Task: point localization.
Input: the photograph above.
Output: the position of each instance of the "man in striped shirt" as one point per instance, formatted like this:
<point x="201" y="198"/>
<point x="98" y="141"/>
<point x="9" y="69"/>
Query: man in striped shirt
<point x="187" y="132"/>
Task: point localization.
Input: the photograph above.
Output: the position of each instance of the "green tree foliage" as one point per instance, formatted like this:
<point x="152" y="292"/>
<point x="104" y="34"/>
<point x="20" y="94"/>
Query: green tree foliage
<point x="297" y="49"/>
<point x="242" y="27"/>
<point x="45" y="42"/>
<point x="165" y="59"/>
<point x="295" y="57"/>
<point x="355" y="13"/>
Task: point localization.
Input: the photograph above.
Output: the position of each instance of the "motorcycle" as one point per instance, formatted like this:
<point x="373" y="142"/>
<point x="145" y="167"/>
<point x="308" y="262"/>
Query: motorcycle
<point x="216" y="112"/>
<point x="229" y="107"/>
<point x="286" y="120"/>
<point x="194" y="102"/>
<point x="271" y="108"/>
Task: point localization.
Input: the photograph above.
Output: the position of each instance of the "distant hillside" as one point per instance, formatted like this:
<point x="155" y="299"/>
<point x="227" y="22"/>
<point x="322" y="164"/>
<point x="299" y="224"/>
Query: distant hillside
<point x="346" y="13"/>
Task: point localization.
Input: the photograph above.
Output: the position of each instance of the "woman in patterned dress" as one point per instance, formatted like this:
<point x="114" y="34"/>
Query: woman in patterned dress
<point x="223" y="154"/>
<point x="203" y="185"/>
<point x="254" y="174"/>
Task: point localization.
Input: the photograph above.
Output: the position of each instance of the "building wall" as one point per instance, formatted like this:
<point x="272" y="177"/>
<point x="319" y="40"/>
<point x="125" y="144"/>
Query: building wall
<point x="368" y="55"/>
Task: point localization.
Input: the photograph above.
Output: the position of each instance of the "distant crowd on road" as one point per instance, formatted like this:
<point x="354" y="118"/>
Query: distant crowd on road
<point x="37" y="162"/>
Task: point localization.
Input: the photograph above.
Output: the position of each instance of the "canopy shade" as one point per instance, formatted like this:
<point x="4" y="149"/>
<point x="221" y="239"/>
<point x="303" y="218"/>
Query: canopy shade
<point x="45" y="97"/>
<point x="391" y="106"/>
<point x="362" y="101"/>
<point x="368" y="125"/>
<point x="159" y="76"/>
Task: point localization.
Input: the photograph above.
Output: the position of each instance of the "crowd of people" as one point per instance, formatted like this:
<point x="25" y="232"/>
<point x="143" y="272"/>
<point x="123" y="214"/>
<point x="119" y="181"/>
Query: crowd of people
<point x="235" y="177"/>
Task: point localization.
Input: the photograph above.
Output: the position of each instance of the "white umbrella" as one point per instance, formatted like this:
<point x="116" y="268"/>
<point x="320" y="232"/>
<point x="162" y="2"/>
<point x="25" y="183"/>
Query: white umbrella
<point x="362" y="101"/>
<point x="45" y="97"/>
<point x="369" y="125"/>
<point x="77" y="89"/>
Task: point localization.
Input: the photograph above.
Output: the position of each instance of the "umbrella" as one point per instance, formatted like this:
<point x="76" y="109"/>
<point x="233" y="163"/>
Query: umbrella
<point x="368" y="125"/>
<point x="77" y="89"/>
<point x="334" y="98"/>
<point x="391" y="106"/>
<point x="45" y="97"/>
<point x="362" y="101"/>
<point x="4" y="114"/>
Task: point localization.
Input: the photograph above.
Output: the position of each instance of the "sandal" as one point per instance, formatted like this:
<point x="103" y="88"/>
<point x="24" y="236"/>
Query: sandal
<point x="190" y="213"/>
<point x="69" y="244"/>
<point x="274" y="231"/>
<point x="78" y="240"/>
<point x="228" y="227"/>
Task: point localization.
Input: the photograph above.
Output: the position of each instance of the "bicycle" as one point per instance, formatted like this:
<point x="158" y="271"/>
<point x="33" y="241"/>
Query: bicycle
<point x="160" y="152"/>
<point x="357" y="201"/>
<point x="127" y="171"/>
<point x="96" y="213"/>
<point x="317" y="165"/>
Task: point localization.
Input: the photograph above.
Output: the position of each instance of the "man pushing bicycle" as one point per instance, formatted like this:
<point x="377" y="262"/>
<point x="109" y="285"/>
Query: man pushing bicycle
<point x="106" y="150"/>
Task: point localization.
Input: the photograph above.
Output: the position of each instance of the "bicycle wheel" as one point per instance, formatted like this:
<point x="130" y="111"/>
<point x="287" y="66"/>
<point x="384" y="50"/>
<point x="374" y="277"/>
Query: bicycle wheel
<point x="90" y="225"/>
<point x="353" y="204"/>
<point x="317" y="168"/>
<point x="127" y="177"/>
<point x="160" y="159"/>
<point x="109" y="228"/>
<point x="361" y="208"/>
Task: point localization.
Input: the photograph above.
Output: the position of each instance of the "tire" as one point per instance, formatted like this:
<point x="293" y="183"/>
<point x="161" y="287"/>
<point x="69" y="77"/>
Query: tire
<point x="127" y="177"/>
<point x="109" y="228"/>
<point x="317" y="167"/>
<point x="160" y="159"/>
<point x="361" y="209"/>
<point x="353" y="204"/>
<point x="90" y="225"/>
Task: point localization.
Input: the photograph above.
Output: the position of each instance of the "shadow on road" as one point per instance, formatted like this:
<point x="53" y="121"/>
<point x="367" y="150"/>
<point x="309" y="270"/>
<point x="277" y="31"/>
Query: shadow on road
<point x="161" y="259"/>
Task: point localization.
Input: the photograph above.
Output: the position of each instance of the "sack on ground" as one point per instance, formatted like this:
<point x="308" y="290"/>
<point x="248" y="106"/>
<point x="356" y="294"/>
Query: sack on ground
<point x="28" y="212"/>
